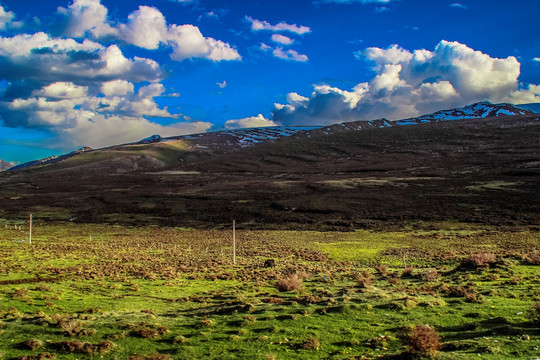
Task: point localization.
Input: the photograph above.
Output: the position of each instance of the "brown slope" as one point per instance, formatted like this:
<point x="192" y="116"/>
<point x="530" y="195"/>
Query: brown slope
<point x="485" y="170"/>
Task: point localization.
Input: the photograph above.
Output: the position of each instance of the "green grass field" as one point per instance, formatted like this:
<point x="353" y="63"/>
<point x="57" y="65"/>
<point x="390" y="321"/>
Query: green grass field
<point x="112" y="292"/>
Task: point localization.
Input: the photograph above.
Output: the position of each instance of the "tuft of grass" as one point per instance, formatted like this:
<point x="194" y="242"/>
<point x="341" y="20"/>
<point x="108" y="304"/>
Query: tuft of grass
<point x="33" y="344"/>
<point x="364" y="279"/>
<point x="311" y="343"/>
<point x="532" y="258"/>
<point x="480" y="260"/>
<point x="422" y="340"/>
<point x="290" y="283"/>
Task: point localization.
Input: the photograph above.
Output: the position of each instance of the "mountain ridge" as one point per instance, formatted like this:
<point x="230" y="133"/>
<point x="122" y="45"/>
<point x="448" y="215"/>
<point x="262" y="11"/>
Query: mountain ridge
<point x="226" y="140"/>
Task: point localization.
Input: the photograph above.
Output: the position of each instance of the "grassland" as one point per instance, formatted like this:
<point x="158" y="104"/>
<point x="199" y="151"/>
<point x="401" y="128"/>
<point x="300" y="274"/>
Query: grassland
<point x="115" y="292"/>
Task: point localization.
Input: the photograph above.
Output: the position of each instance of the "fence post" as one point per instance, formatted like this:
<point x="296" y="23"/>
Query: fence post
<point x="30" y="234"/>
<point x="234" y="240"/>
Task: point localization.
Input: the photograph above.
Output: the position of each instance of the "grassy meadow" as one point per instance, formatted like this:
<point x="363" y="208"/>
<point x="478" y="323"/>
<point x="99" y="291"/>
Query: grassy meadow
<point x="85" y="291"/>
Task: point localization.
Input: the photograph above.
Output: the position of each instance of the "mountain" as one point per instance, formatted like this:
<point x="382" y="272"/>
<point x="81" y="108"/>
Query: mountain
<point x="4" y="165"/>
<point x="52" y="159"/>
<point x="535" y="107"/>
<point x="387" y="176"/>
<point x="475" y="111"/>
<point x="230" y="139"/>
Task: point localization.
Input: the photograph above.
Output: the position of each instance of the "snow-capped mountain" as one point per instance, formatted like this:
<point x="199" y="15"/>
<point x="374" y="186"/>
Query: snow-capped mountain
<point x="477" y="110"/>
<point x="240" y="138"/>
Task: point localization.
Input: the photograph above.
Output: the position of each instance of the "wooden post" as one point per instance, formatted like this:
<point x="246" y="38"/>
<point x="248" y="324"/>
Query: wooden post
<point x="30" y="233"/>
<point x="234" y="241"/>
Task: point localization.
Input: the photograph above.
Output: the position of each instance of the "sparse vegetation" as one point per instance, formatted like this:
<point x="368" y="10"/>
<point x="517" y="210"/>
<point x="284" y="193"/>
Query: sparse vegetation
<point x="192" y="302"/>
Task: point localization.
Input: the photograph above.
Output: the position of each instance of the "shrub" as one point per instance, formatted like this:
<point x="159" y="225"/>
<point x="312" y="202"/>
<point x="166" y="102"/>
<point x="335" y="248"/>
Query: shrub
<point x="33" y="344"/>
<point x="381" y="270"/>
<point x="479" y="260"/>
<point x="364" y="279"/>
<point x="311" y="343"/>
<point x="273" y="300"/>
<point x="532" y="258"/>
<point x="422" y="340"/>
<point x="291" y="282"/>
<point x="429" y="275"/>
<point x="180" y="339"/>
<point x="83" y="347"/>
<point x="148" y="333"/>
<point x="408" y="272"/>
<point x="41" y="356"/>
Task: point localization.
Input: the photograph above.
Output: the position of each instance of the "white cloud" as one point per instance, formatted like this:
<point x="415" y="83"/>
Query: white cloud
<point x="188" y="42"/>
<point x="282" y="39"/>
<point x="408" y="84"/>
<point x="6" y="17"/>
<point x="117" y="87"/>
<point x="536" y="59"/>
<point x="62" y="90"/>
<point x="290" y="54"/>
<point x="222" y="85"/>
<point x="458" y="5"/>
<point x="258" y="25"/>
<point x="42" y="58"/>
<point x="147" y="28"/>
<point x="87" y="16"/>
<point x="249" y="122"/>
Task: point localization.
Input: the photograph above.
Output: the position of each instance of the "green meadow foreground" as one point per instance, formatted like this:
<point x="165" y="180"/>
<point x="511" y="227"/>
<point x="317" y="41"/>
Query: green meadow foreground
<point x="101" y="291"/>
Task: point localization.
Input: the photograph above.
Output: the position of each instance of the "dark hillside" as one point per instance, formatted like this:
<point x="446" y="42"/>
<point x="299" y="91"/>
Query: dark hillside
<point x="477" y="170"/>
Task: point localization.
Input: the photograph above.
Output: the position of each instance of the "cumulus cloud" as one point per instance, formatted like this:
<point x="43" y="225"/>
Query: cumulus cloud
<point x="146" y="28"/>
<point x="249" y="122"/>
<point x="82" y="92"/>
<point x="66" y="59"/>
<point x="222" y="85"/>
<point x="6" y="17"/>
<point x="87" y="16"/>
<point x="258" y="25"/>
<point x="282" y="39"/>
<point x="408" y="84"/>
<point x="188" y="42"/>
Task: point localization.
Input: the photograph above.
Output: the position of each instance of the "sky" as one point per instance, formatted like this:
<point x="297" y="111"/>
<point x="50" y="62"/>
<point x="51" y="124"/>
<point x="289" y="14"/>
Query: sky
<point x="97" y="73"/>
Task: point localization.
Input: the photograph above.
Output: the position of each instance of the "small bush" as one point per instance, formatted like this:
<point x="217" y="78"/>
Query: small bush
<point x="480" y="260"/>
<point x="148" y="333"/>
<point x="41" y="356"/>
<point x="422" y="340"/>
<point x="83" y="347"/>
<point x="33" y="344"/>
<point x="381" y="270"/>
<point x="408" y="272"/>
<point x="180" y="339"/>
<point x="364" y="279"/>
<point x="273" y="300"/>
<point x="291" y="282"/>
<point x="311" y="343"/>
<point x="429" y="275"/>
<point x="532" y="258"/>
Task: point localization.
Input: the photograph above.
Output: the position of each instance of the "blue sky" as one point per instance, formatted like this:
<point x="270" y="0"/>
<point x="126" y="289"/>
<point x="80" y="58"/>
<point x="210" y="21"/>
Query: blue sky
<point x="99" y="73"/>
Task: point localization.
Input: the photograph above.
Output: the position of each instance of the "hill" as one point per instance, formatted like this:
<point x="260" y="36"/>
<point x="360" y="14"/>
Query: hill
<point x="476" y="170"/>
<point x="4" y="165"/>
